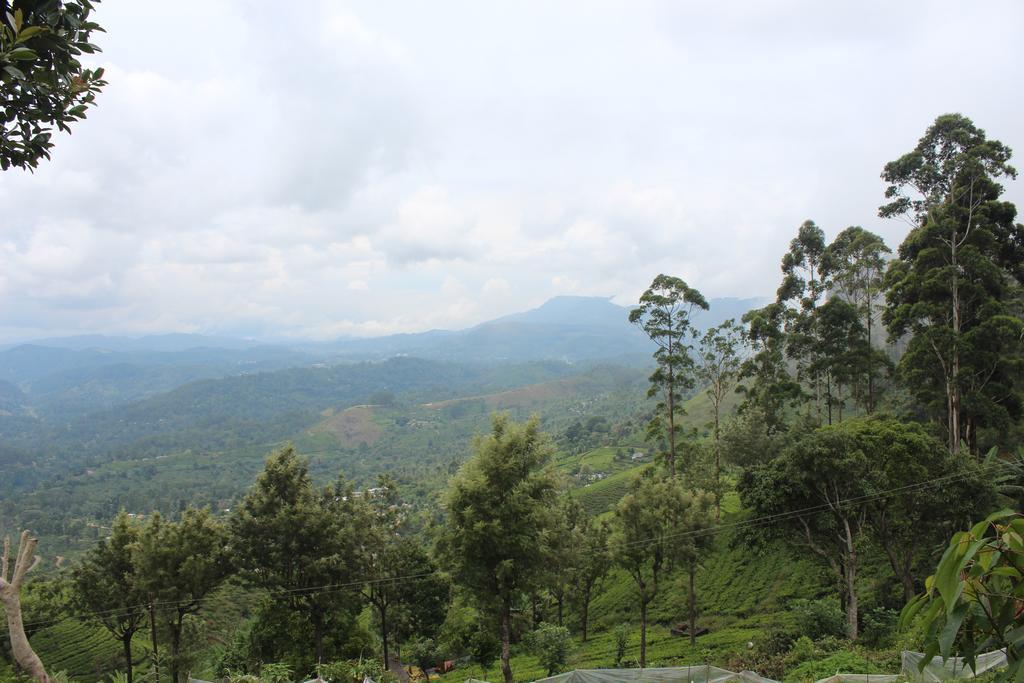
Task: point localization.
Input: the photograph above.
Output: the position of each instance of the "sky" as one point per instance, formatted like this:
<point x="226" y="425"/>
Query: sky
<point x="364" y="168"/>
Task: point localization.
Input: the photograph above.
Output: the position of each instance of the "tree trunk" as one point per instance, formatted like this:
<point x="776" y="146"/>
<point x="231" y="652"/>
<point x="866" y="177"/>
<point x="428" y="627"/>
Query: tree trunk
<point x="318" y="638"/>
<point x="383" y="634"/>
<point x="692" y="600"/>
<point x="851" y="606"/>
<point x="828" y="394"/>
<point x="126" y="642"/>
<point x="10" y="596"/>
<point x="871" y="369"/>
<point x="953" y="382"/>
<point x="152" y="634"/>
<point x="901" y="567"/>
<point x="643" y="633"/>
<point x="176" y="649"/>
<point x="560" y="600"/>
<point x="585" y="615"/>
<point x="718" y="460"/>
<point x="671" y="422"/>
<point x="909" y="590"/>
<point x="506" y="636"/>
<point x="850" y="576"/>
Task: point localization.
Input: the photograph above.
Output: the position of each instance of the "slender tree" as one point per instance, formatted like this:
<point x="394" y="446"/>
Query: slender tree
<point x="656" y="527"/>
<point x="841" y="352"/>
<point x="765" y="382"/>
<point x="803" y="289"/>
<point x="498" y="508"/>
<point x="383" y="560"/>
<point x="178" y="564"/>
<point x="106" y="584"/>
<point x="664" y="315"/>
<point x="563" y="538"/>
<point x="591" y="561"/>
<point x="718" y="368"/>
<point x="855" y="262"/>
<point x="949" y="288"/>
<point x="403" y="586"/>
<point x="426" y="599"/>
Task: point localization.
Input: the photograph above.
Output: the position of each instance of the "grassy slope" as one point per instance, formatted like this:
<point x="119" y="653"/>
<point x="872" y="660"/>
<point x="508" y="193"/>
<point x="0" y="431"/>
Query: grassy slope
<point x="740" y="596"/>
<point x="87" y="652"/>
<point x="82" y="650"/>
<point x="741" y="592"/>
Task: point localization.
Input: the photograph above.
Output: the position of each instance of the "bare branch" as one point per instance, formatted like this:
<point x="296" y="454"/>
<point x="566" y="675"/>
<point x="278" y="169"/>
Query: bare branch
<point x="4" y="562"/>
<point x="26" y="551"/>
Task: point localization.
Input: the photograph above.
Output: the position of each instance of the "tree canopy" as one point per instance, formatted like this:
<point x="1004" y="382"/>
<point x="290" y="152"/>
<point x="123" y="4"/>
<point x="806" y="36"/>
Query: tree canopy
<point x="43" y="83"/>
<point x="664" y="314"/>
<point x="499" y="509"/>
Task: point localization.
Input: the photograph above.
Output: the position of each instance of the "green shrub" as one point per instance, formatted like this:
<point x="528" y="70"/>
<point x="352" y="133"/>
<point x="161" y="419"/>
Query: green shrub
<point x="879" y="626"/>
<point x="276" y="672"/>
<point x="621" y="634"/>
<point x="818" y="618"/>
<point x="838" y="662"/>
<point x="551" y="644"/>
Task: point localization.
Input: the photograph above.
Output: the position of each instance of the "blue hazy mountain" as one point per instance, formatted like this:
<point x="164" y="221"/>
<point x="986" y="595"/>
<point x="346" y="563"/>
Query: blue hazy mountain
<point x="154" y="342"/>
<point x="75" y="375"/>
<point x="568" y="328"/>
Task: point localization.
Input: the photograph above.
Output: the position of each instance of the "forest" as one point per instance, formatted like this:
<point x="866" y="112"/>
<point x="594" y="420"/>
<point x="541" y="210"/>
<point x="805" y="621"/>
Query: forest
<point x="828" y="480"/>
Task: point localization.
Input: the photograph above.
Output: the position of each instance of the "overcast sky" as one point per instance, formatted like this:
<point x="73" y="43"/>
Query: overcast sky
<point x="372" y="167"/>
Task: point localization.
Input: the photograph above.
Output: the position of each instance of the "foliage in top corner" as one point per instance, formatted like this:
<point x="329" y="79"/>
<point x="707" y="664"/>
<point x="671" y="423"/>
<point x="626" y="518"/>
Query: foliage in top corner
<point x="43" y="83"/>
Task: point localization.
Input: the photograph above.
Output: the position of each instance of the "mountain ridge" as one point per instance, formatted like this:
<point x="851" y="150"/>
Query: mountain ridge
<point x="562" y="310"/>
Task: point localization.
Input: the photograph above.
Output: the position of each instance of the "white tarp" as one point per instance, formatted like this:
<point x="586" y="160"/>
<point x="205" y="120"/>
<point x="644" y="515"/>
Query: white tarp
<point x="859" y="678"/>
<point x="698" y="673"/>
<point x="954" y="667"/>
<point x="936" y="671"/>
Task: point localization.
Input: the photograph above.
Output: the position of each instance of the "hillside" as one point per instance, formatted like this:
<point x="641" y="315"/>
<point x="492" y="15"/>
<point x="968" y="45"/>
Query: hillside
<point x="204" y="443"/>
<point x="59" y="379"/>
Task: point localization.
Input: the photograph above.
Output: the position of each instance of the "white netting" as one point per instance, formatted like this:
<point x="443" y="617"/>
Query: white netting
<point x="677" y="674"/>
<point x="860" y="678"/>
<point x="936" y="671"/>
<point x="954" y="667"/>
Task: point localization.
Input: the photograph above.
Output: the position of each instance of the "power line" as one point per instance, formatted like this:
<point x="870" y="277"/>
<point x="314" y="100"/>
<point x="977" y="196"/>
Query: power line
<point x="755" y="522"/>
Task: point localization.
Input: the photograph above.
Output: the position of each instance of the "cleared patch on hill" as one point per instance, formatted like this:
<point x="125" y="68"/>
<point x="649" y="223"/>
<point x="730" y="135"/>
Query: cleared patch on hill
<point x="534" y="395"/>
<point x="352" y="426"/>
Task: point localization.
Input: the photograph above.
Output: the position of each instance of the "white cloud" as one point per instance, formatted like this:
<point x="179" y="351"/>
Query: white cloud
<point x="497" y="286"/>
<point x="369" y="168"/>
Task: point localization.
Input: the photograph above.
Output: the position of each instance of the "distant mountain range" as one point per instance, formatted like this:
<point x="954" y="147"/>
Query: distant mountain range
<point x="153" y="342"/>
<point x="567" y="328"/>
<point x="564" y="327"/>
<point x="76" y="375"/>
